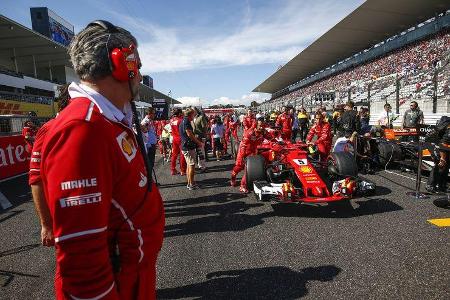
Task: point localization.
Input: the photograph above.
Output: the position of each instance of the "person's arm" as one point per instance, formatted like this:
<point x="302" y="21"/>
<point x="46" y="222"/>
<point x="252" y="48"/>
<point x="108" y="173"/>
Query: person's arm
<point x="310" y="135"/>
<point x="421" y="117"/>
<point x="404" y="119"/>
<point x="442" y="159"/>
<point x="37" y="192"/>
<point x="81" y="211"/>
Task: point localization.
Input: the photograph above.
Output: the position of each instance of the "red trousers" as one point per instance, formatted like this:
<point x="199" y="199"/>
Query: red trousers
<point x="286" y="135"/>
<point x="240" y="165"/>
<point x="129" y="283"/>
<point x="324" y="151"/>
<point x="226" y="140"/>
<point x="176" y="151"/>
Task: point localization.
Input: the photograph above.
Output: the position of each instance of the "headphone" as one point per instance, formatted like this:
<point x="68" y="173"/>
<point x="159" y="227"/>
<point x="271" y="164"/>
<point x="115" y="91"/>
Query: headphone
<point x="122" y="61"/>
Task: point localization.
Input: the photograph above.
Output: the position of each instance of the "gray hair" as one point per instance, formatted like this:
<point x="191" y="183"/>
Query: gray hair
<point x="90" y="48"/>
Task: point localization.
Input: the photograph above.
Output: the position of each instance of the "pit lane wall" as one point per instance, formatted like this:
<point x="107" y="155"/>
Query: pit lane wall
<point x="14" y="156"/>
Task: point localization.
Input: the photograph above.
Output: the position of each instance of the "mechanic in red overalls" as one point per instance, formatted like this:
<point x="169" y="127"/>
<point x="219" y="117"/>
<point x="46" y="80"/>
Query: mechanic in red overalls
<point x="322" y="130"/>
<point x="249" y="120"/>
<point x="234" y="126"/>
<point x="285" y="121"/>
<point x="251" y="139"/>
<point x="175" y="121"/>
<point x="29" y="133"/>
<point x="227" y="133"/>
<point x="107" y="222"/>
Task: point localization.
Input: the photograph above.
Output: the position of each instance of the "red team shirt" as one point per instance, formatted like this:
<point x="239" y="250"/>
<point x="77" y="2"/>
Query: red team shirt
<point x="95" y="180"/>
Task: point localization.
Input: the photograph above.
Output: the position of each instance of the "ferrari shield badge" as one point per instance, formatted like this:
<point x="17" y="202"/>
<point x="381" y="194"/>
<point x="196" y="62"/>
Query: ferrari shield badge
<point x="127" y="146"/>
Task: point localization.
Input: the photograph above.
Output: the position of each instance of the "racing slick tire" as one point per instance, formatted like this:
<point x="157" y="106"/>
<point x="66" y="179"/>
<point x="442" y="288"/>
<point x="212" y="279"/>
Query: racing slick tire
<point x="255" y="170"/>
<point x="342" y="164"/>
<point x="389" y="153"/>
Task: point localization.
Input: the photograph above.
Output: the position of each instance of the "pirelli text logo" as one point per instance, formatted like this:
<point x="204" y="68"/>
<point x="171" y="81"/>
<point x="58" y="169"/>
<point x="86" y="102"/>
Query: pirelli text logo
<point x="79" y="183"/>
<point x="81" y="200"/>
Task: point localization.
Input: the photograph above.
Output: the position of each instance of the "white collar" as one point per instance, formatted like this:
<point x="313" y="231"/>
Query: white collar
<point x="105" y="106"/>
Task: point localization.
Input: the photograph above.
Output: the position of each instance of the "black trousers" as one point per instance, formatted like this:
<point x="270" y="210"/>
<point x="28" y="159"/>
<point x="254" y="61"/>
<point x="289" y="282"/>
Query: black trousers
<point x="151" y="152"/>
<point x="303" y="130"/>
<point x="438" y="176"/>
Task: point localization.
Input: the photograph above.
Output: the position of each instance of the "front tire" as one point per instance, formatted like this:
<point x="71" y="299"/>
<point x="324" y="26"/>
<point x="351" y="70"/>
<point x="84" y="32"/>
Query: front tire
<point x="255" y="170"/>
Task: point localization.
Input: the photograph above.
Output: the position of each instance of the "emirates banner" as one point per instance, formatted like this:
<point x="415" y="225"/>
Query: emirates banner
<point x="14" y="156"/>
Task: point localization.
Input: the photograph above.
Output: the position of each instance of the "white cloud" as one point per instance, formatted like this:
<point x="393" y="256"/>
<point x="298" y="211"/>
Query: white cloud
<point x="245" y="99"/>
<point x="190" y="101"/>
<point x="266" y="35"/>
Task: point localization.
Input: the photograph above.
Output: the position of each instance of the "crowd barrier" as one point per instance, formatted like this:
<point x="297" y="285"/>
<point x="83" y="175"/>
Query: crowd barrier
<point x="14" y="156"/>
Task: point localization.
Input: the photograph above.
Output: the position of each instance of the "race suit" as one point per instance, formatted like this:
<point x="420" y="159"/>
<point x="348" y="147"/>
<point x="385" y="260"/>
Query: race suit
<point x="227" y="133"/>
<point x="285" y="121"/>
<point x="176" y="145"/>
<point x="234" y="126"/>
<point x="250" y="141"/>
<point x="324" y="138"/>
<point x="28" y="133"/>
<point x="249" y="122"/>
<point x="95" y="184"/>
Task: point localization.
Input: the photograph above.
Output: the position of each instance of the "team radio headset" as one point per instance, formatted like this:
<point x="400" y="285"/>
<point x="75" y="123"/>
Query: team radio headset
<point x="124" y="67"/>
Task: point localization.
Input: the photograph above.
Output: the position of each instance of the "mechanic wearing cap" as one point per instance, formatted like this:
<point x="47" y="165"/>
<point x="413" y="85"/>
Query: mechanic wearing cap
<point x="285" y="121"/>
<point x="175" y="121"/>
<point x="251" y="139"/>
<point x="107" y="222"/>
<point x="322" y="130"/>
<point x="437" y="182"/>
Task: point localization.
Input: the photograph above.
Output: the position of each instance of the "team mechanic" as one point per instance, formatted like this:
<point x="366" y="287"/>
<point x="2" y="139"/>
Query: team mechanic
<point x="252" y="138"/>
<point x="107" y="222"/>
<point x="321" y="129"/>
<point x="285" y="121"/>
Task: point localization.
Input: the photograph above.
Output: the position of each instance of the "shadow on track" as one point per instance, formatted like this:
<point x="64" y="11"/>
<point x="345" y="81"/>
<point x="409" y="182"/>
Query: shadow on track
<point x="204" y="184"/>
<point x="18" y="250"/>
<point x="258" y="283"/>
<point x="7" y="276"/>
<point x="223" y="209"/>
<point x="226" y="221"/>
<point x="217" y="198"/>
<point x="365" y="208"/>
<point x="220" y="168"/>
<point x="11" y="214"/>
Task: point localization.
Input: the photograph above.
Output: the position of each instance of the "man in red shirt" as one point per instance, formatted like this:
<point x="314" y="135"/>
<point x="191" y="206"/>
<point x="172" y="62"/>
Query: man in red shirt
<point x="227" y="133"/>
<point x="285" y="121"/>
<point x="252" y="138"/>
<point x="234" y="126"/>
<point x="249" y="120"/>
<point x="107" y="219"/>
<point x="34" y="175"/>
<point x="28" y="133"/>
<point x="175" y="121"/>
<point x="322" y="130"/>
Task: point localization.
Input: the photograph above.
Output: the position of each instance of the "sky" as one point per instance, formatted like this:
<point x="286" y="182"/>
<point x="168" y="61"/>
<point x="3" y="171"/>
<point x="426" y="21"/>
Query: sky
<point x="205" y="51"/>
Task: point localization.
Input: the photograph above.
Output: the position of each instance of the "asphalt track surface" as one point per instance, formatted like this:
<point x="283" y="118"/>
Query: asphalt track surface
<point x="221" y="244"/>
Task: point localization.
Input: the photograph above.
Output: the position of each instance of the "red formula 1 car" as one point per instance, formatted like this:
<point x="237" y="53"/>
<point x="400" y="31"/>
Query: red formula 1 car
<point x="288" y="172"/>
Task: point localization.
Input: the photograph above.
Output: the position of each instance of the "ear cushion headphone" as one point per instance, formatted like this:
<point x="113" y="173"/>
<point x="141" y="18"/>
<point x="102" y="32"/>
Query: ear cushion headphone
<point x="122" y="61"/>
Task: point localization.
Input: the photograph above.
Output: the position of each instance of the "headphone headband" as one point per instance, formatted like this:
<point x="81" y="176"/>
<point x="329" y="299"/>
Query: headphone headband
<point x="108" y="26"/>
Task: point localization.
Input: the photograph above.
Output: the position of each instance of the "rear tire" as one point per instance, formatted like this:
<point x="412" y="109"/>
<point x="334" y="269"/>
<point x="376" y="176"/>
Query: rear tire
<point x="255" y="170"/>
<point x="389" y="153"/>
<point x="342" y="164"/>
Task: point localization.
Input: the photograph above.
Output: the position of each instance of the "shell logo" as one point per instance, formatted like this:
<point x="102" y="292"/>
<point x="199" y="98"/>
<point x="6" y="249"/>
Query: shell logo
<point x="127" y="147"/>
<point x="306" y="169"/>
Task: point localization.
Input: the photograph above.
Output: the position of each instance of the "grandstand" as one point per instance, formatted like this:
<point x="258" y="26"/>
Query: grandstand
<point x="32" y="66"/>
<point x="384" y="51"/>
